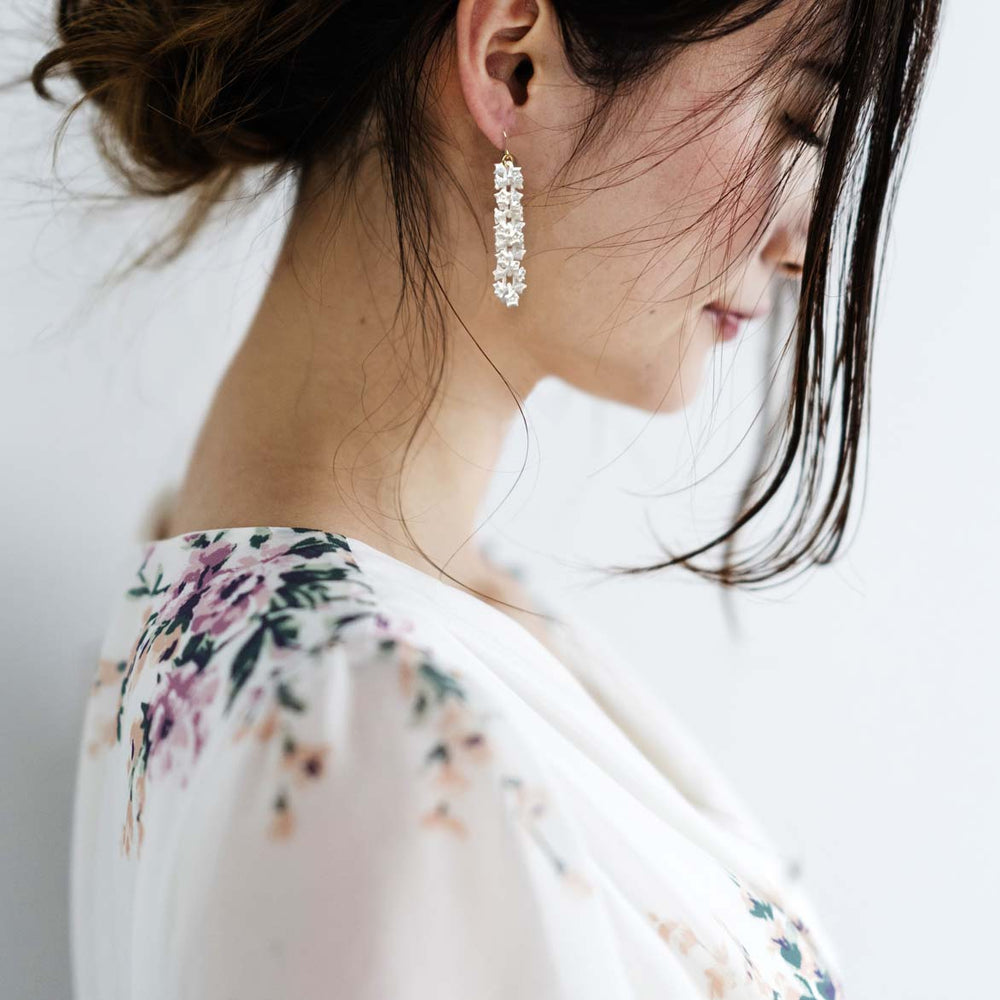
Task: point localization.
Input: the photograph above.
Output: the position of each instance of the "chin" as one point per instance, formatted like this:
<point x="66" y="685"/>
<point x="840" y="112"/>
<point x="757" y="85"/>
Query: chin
<point x="665" y="388"/>
<point x="661" y="397"/>
<point x="670" y="391"/>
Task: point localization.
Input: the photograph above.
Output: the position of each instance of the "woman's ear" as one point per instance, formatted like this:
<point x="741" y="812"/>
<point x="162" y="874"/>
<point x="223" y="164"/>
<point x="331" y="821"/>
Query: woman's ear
<point x="497" y="56"/>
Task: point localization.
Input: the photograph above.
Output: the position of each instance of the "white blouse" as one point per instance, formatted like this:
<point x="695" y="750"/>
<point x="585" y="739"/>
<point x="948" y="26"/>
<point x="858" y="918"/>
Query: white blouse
<point x="310" y="770"/>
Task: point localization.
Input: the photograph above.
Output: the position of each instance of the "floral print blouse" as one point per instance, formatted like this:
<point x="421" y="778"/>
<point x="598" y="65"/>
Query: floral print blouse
<point x="310" y="770"/>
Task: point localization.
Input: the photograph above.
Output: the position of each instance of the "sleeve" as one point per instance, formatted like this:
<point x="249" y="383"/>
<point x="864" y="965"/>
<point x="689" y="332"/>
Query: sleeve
<point x="376" y="829"/>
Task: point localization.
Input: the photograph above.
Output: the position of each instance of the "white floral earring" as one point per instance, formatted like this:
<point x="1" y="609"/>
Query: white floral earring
<point x="508" y="229"/>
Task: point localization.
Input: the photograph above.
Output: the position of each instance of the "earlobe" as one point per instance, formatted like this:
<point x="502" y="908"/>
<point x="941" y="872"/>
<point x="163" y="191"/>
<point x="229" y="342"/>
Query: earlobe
<point x="494" y="66"/>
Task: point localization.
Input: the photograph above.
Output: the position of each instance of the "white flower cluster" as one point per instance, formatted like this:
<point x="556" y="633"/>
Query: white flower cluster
<point x="508" y="231"/>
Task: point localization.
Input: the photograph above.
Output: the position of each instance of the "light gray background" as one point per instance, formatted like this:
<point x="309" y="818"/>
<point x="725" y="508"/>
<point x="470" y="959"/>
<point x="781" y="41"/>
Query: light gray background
<point x="855" y="709"/>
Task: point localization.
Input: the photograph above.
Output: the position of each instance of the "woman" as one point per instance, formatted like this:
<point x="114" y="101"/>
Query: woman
<point x="312" y="765"/>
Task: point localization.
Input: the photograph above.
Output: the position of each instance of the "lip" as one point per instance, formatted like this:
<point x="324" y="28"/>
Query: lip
<point x="729" y="322"/>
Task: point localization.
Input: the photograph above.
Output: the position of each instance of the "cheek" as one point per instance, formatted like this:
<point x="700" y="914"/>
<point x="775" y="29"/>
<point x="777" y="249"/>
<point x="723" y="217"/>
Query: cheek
<point x="663" y="220"/>
<point x="670" y="233"/>
<point x="717" y="190"/>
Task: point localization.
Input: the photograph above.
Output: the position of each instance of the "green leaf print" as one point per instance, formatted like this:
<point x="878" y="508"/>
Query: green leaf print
<point x="435" y="686"/>
<point x="145" y="590"/>
<point x="806" y="996"/>
<point x="305" y="587"/>
<point x="761" y="909"/>
<point x="791" y="954"/>
<point x="199" y="649"/>
<point x="243" y="664"/>
<point x="288" y="699"/>
<point x="283" y="629"/>
<point x="825" y="985"/>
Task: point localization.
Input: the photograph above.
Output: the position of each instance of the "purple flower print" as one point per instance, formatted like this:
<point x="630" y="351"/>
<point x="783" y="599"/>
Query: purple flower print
<point x="214" y="592"/>
<point x="177" y="722"/>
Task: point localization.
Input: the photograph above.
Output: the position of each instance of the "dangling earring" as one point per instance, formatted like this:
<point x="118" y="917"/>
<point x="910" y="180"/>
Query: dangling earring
<point x="508" y="229"/>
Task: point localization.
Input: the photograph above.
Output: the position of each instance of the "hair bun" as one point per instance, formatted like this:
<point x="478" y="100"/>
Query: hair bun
<point x="187" y="90"/>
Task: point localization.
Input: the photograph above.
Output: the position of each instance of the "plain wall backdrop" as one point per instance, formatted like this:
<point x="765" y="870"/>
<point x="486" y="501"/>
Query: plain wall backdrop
<point x="854" y="708"/>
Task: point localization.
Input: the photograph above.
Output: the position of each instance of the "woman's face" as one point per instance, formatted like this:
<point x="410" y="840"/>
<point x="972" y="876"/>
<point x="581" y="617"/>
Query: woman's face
<point x="681" y="212"/>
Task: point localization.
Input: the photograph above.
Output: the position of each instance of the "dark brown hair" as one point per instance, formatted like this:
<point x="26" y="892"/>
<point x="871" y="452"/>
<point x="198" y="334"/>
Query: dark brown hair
<point x="193" y="94"/>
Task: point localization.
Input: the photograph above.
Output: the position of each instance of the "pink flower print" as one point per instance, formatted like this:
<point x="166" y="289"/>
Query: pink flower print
<point x="676" y="933"/>
<point x="218" y="592"/>
<point x="717" y="985"/>
<point x="128" y="830"/>
<point x="244" y="589"/>
<point x="202" y="565"/>
<point x="720" y="972"/>
<point x="721" y="975"/>
<point x="302" y="762"/>
<point x="132" y="831"/>
<point x="177" y="722"/>
<point x="439" y="695"/>
<point x="105" y="736"/>
<point x="305" y="761"/>
<point x="441" y="816"/>
<point x="108" y="674"/>
<point x="462" y="745"/>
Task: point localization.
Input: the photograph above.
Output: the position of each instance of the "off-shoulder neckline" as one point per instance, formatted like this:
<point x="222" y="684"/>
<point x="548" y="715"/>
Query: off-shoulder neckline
<point x="436" y="590"/>
<point x="413" y="573"/>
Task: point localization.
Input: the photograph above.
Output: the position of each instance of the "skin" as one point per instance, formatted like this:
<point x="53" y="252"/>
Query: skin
<point x="308" y="424"/>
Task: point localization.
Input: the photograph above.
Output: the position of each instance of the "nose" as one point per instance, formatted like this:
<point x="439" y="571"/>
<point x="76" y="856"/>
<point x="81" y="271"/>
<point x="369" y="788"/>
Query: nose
<point x="784" y="247"/>
<point x="785" y="250"/>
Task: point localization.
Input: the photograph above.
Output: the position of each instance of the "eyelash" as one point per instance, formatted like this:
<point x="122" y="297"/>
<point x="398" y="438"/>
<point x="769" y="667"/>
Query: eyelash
<point x="800" y="131"/>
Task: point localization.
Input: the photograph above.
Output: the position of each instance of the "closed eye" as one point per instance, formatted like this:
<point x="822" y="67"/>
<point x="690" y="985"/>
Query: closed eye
<point x="800" y="131"/>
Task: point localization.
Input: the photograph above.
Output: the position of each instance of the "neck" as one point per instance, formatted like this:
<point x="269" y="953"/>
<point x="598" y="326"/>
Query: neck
<point x="311" y="421"/>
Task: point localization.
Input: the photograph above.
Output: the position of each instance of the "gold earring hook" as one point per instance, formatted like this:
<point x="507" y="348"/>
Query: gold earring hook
<point x="506" y="159"/>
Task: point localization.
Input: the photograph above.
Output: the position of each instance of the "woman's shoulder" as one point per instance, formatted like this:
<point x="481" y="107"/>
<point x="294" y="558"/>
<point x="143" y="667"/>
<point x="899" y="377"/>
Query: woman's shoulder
<point x="274" y="653"/>
<point x="357" y="794"/>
